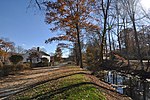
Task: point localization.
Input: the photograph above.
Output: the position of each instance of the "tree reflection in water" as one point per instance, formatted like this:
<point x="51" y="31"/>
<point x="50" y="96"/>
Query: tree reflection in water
<point x="133" y="86"/>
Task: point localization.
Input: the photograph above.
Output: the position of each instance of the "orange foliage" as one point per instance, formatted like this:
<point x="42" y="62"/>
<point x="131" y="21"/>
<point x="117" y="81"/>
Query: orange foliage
<point x="66" y="14"/>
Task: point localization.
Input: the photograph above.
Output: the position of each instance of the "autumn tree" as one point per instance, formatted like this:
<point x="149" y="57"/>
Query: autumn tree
<point x="5" y="47"/>
<point x="15" y="59"/>
<point x="58" y="54"/>
<point x="73" y="48"/>
<point x="34" y="55"/>
<point x="92" y="50"/>
<point x="70" y="44"/>
<point x="73" y="17"/>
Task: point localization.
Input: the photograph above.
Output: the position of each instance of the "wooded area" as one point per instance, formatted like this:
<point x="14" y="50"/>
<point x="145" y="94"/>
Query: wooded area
<point x="95" y="29"/>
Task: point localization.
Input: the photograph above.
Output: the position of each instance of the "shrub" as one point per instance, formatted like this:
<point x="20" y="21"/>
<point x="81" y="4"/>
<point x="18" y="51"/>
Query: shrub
<point x="8" y="69"/>
<point x="7" y="62"/>
<point x="41" y="64"/>
<point x="16" y="58"/>
<point x="19" y="66"/>
<point x="1" y="65"/>
<point x="22" y="66"/>
<point x="44" y="60"/>
<point x="27" y="66"/>
<point x="11" y="69"/>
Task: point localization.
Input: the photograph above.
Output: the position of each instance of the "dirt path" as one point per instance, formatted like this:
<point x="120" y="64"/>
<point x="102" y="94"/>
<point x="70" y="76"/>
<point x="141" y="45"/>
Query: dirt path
<point x="28" y="79"/>
<point x="21" y="80"/>
<point x="24" y="79"/>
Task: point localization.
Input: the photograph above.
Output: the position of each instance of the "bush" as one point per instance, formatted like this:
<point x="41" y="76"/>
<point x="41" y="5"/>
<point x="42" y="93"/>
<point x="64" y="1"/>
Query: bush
<point x="7" y="62"/>
<point x="7" y="69"/>
<point x="27" y="66"/>
<point x="44" y="60"/>
<point x="1" y="65"/>
<point x="42" y="64"/>
<point x="11" y="69"/>
<point x="22" y="66"/>
<point x="39" y="64"/>
<point x="15" y="59"/>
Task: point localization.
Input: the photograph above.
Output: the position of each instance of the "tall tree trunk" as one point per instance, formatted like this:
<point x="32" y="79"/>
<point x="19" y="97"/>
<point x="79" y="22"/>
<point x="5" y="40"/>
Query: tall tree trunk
<point x="106" y="51"/>
<point x="105" y="13"/>
<point x="118" y="36"/>
<point x="118" y="21"/>
<point x="79" y="46"/>
<point x="103" y="42"/>
<point x="137" y="41"/>
<point x="110" y="44"/>
<point x="109" y="41"/>
<point x="113" y="42"/>
<point x="76" y="54"/>
<point x="78" y="38"/>
<point x="126" y="43"/>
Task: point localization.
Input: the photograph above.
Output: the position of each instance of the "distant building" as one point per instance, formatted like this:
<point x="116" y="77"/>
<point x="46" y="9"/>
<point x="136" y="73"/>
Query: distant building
<point x="35" y="56"/>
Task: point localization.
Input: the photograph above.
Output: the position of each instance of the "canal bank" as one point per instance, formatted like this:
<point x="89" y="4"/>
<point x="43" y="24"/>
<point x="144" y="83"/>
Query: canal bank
<point x="66" y="82"/>
<point x="130" y="81"/>
<point x="132" y="86"/>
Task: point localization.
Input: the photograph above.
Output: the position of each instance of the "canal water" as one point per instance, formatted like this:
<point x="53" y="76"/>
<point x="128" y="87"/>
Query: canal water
<point x="133" y="86"/>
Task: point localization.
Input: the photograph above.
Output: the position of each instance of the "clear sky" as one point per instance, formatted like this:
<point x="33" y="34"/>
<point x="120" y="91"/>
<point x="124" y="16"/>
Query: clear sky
<point x="23" y="26"/>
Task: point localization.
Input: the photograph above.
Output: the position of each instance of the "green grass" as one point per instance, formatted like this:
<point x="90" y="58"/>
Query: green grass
<point x="85" y="92"/>
<point x="45" y="91"/>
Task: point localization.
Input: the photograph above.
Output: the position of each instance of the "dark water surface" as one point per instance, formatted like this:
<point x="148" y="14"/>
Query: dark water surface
<point x="133" y="86"/>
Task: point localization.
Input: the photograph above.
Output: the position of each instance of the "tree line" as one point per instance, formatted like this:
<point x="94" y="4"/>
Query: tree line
<point x="95" y="28"/>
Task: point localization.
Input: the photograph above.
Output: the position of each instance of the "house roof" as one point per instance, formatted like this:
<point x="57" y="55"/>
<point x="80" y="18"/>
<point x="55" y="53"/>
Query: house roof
<point x="42" y="52"/>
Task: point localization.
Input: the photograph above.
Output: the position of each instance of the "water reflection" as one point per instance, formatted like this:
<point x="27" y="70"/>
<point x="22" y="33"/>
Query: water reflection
<point x="136" y="88"/>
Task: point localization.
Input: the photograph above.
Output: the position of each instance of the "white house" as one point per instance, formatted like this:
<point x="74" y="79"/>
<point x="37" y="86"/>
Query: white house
<point x="35" y="56"/>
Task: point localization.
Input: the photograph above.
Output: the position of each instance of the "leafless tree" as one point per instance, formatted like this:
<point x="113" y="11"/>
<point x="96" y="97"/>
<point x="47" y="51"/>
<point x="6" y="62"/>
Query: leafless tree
<point x="131" y="9"/>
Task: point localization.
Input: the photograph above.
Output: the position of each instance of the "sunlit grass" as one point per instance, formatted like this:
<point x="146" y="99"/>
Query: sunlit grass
<point x="45" y="91"/>
<point x="84" y="92"/>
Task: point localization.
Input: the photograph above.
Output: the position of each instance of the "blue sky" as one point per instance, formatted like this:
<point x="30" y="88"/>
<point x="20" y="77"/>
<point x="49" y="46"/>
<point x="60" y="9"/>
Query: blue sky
<point x="24" y="26"/>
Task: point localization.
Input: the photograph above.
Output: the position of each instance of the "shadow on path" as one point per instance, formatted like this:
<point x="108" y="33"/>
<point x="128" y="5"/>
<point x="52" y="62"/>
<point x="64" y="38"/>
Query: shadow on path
<point x="5" y="94"/>
<point x="50" y="94"/>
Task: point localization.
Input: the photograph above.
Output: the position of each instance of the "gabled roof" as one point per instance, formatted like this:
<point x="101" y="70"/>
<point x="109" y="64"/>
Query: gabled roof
<point x="42" y="52"/>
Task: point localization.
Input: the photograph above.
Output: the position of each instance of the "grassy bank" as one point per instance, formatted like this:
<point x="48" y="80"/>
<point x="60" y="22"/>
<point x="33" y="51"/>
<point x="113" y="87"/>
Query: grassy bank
<point x="70" y="85"/>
